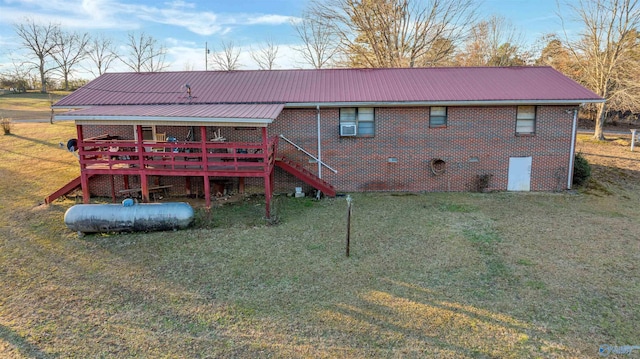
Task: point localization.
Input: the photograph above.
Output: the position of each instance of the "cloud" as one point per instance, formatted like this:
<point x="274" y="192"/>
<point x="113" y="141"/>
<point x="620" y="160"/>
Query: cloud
<point x="182" y="14"/>
<point x="269" y="20"/>
<point x="116" y="15"/>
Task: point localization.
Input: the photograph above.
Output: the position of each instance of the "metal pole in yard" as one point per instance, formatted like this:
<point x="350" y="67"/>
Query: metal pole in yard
<point x="633" y="138"/>
<point x="348" y="223"/>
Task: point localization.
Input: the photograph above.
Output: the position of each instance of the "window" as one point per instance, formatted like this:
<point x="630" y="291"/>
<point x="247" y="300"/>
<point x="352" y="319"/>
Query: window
<point x="148" y="133"/>
<point x="438" y="116"/>
<point x="357" y="121"/>
<point x="526" y="120"/>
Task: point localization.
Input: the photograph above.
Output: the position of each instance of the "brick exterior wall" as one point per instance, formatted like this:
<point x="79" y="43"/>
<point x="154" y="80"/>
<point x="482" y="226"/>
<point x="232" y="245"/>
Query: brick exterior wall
<point x="476" y="141"/>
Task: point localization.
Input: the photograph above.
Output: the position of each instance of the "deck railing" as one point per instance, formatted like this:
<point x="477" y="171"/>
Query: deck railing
<point x="221" y="158"/>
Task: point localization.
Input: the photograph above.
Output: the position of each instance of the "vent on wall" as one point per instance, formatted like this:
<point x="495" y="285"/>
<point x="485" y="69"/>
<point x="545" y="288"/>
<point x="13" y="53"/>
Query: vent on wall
<point x="348" y="129"/>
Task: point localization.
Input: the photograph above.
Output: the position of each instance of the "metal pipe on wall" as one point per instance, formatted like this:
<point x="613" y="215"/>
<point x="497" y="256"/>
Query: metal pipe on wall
<point x="573" y="147"/>
<point x="319" y="145"/>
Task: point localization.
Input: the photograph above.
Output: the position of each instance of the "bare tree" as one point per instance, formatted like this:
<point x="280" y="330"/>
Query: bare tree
<point x="396" y="33"/>
<point x="144" y="53"/>
<point x="101" y="53"/>
<point x="19" y="77"/>
<point x="227" y="58"/>
<point x="320" y="44"/>
<point x="604" y="50"/>
<point x="492" y="42"/>
<point x="72" y="48"/>
<point x="188" y="66"/>
<point x="266" y="55"/>
<point x="40" y="41"/>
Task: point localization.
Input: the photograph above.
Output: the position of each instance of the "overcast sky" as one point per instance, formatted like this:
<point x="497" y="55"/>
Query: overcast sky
<point x="184" y="26"/>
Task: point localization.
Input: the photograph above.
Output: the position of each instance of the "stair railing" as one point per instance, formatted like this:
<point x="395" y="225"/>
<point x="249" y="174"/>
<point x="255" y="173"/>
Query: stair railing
<point x="308" y="154"/>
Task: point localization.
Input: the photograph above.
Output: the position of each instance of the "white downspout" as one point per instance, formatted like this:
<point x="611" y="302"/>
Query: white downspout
<point x="319" y="145"/>
<point x="573" y="147"/>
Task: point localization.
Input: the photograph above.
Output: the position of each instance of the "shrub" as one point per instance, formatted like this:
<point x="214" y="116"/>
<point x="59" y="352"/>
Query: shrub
<point x="6" y="125"/>
<point x="581" y="170"/>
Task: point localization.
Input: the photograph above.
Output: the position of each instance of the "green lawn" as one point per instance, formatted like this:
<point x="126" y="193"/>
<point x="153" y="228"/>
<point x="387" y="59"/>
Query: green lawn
<point x="431" y="275"/>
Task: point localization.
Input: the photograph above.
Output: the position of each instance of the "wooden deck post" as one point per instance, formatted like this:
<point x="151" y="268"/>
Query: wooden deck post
<point x="84" y="178"/>
<point x="267" y="195"/>
<point x="84" y="183"/>
<point x="207" y="191"/>
<point x="241" y="185"/>
<point x="144" y="186"/>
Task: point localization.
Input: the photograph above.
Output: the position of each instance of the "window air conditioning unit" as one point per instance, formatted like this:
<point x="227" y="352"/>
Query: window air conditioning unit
<point x="348" y="129"/>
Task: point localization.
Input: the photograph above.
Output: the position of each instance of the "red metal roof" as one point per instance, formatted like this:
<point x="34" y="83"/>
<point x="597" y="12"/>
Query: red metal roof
<point x="406" y="85"/>
<point x="217" y="111"/>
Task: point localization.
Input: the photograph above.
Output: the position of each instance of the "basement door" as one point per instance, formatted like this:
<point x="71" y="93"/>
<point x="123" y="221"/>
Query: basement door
<point x="519" y="174"/>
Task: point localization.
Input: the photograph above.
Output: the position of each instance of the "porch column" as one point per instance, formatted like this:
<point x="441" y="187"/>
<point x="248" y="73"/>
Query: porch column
<point x="265" y="142"/>
<point x="203" y="148"/>
<point x="205" y="168"/>
<point x="84" y="178"/>
<point x="139" y="147"/>
<point x="268" y="185"/>
<point x="144" y="186"/>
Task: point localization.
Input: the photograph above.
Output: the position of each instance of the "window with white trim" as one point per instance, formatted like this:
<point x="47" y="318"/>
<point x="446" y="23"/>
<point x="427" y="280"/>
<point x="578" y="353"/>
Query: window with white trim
<point x="357" y="121"/>
<point x="438" y="116"/>
<point x="526" y="120"/>
<point x="148" y="133"/>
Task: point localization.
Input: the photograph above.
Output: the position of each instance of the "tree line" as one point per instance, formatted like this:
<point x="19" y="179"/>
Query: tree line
<point x="604" y="56"/>
<point x="51" y="51"/>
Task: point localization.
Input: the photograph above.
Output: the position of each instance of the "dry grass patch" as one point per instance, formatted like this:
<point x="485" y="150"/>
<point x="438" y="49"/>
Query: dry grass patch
<point x="28" y="106"/>
<point x="450" y="275"/>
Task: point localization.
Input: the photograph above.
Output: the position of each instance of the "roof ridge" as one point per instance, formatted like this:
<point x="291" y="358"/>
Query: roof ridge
<point x="372" y="69"/>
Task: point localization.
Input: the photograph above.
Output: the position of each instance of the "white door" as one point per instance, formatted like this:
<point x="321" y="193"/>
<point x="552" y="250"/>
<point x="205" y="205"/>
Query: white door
<point x="519" y="174"/>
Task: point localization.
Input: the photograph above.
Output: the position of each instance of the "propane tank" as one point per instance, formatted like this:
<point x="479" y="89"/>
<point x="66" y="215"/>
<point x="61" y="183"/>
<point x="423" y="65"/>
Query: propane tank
<point x="129" y="217"/>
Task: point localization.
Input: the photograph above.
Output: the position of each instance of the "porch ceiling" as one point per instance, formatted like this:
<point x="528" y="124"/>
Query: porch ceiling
<point x="232" y="114"/>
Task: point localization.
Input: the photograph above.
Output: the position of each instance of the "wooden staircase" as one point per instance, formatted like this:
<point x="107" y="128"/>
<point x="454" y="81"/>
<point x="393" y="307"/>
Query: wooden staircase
<point x="307" y="177"/>
<point x="73" y="184"/>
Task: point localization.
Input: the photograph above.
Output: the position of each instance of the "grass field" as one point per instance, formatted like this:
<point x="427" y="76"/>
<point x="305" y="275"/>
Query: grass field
<point x="448" y="275"/>
<point x="28" y="106"/>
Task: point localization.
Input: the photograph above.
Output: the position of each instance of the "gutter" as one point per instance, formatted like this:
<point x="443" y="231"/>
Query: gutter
<point x="112" y="119"/>
<point x="442" y="103"/>
<point x="390" y="103"/>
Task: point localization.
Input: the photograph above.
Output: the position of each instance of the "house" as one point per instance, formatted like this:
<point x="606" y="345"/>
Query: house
<point x="352" y="130"/>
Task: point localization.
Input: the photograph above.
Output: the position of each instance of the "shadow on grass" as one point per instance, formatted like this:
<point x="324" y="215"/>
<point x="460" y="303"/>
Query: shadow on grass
<point x="35" y="140"/>
<point x="41" y="158"/>
<point x="613" y="157"/>
<point x="21" y="344"/>
<point x="409" y="319"/>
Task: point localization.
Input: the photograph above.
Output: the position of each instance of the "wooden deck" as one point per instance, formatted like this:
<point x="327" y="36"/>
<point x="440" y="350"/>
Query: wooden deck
<point x="108" y="155"/>
<point x="177" y="159"/>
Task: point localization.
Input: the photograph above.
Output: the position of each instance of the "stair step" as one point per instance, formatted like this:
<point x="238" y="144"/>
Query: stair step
<point x="306" y="176"/>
